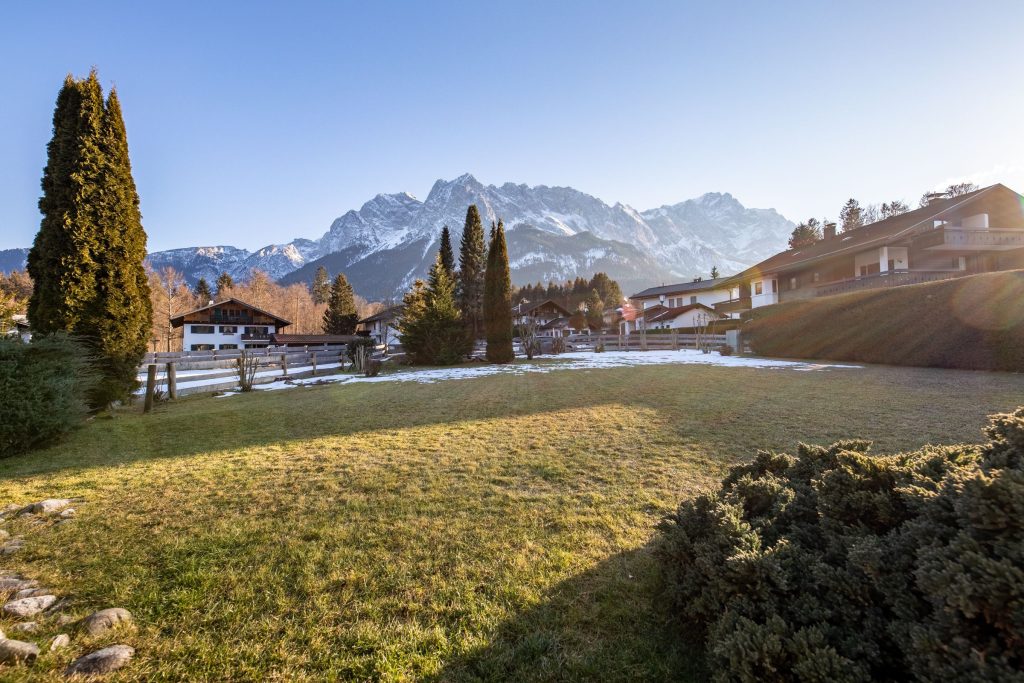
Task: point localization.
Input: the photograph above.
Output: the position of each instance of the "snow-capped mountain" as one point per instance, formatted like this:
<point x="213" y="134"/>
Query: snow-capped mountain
<point x="554" y="233"/>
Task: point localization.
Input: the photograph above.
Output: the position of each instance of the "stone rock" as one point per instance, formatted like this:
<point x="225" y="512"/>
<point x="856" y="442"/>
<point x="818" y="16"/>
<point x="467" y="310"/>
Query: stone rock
<point x="18" y="652"/>
<point x="45" y="507"/>
<point x="100" y="662"/>
<point x="31" y="593"/>
<point x="29" y="607"/>
<point x="4" y="534"/>
<point x="65" y="619"/>
<point x="68" y="514"/>
<point x="13" y="583"/>
<point x="59" y="641"/>
<point x="12" y="546"/>
<point x="106" y="619"/>
<point x="26" y="627"/>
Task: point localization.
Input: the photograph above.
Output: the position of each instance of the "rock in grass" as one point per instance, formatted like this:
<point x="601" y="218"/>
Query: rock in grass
<point x="68" y="514"/>
<point x="26" y="627"/>
<point x="45" y="507"/>
<point x="100" y="662"/>
<point x="59" y="641"/>
<point x="29" y="607"/>
<point x="106" y="619"/>
<point x="12" y="546"/>
<point x="18" y="652"/>
<point x="31" y="593"/>
<point x="4" y="534"/>
<point x="14" y="583"/>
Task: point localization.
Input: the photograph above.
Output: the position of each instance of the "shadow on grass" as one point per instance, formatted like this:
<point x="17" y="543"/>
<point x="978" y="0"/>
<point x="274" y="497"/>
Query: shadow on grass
<point x="605" y="624"/>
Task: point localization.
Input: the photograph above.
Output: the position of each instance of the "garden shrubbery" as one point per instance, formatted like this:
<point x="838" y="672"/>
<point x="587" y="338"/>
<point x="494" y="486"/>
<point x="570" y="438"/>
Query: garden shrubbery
<point x="837" y="565"/>
<point x="974" y="322"/>
<point x="43" y="389"/>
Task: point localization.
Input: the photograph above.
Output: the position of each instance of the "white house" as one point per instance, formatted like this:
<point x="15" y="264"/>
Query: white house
<point x="382" y="327"/>
<point x="678" y="317"/>
<point x="656" y="300"/>
<point x="548" y="317"/>
<point x="227" y="325"/>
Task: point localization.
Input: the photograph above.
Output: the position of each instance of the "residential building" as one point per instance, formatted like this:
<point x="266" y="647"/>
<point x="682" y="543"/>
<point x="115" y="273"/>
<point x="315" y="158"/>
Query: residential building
<point x="549" y="318"/>
<point x="680" y="317"/>
<point x="227" y="325"/>
<point x="655" y="301"/>
<point x="381" y="327"/>
<point x="950" y="237"/>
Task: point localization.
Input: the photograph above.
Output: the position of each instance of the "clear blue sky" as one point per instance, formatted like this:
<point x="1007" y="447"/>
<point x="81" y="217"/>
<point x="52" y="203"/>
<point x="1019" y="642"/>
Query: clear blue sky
<point x="252" y="123"/>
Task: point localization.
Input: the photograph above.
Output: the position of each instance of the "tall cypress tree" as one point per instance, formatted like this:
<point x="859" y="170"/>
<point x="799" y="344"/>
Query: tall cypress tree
<point x="472" y="263"/>
<point x="87" y="257"/>
<point x="321" y="286"/>
<point x="340" y="316"/>
<point x="203" y="293"/>
<point x="446" y="254"/>
<point x="498" y="300"/>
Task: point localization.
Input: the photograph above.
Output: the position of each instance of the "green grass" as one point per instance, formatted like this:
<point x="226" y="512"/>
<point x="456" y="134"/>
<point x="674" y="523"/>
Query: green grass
<point x="494" y="528"/>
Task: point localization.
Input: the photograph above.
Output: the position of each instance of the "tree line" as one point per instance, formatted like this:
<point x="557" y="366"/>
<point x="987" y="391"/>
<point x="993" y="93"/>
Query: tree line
<point x="852" y="215"/>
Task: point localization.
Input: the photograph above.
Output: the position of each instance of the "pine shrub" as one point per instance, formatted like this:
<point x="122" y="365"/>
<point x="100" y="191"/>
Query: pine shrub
<point x="44" y="386"/>
<point x="840" y="565"/>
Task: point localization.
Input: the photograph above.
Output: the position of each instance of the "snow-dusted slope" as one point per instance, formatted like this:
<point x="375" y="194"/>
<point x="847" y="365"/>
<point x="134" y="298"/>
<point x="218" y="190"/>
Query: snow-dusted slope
<point x="390" y="240"/>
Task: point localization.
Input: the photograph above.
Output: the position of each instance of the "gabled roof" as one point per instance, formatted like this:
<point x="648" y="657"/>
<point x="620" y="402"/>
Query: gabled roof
<point x="179" y="320"/>
<point x="672" y="313"/>
<point x="680" y="288"/>
<point x="527" y="309"/>
<point x="556" y="324"/>
<point x="890" y="230"/>
<point x="386" y="314"/>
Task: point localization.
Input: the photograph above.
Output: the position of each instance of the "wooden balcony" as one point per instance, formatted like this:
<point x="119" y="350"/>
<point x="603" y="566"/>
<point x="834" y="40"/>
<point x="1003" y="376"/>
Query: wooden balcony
<point x="256" y="336"/>
<point x="733" y="305"/>
<point x="951" y="238"/>
<point x="896" y="278"/>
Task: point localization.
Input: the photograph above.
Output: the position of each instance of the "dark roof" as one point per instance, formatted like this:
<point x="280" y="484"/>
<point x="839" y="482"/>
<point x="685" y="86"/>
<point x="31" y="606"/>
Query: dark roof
<point x="671" y="313"/>
<point x="312" y="339"/>
<point x="556" y="324"/>
<point x="526" y="309"/>
<point x="386" y="314"/>
<point x="885" y="231"/>
<point x="679" y="288"/>
<point x="179" y="320"/>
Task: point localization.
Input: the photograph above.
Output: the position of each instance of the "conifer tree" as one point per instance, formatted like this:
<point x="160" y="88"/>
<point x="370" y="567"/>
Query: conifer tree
<point x="851" y="215"/>
<point x="498" y="300"/>
<point x="714" y="272"/>
<point x="431" y="329"/>
<point x="446" y="253"/>
<point x="224" y="283"/>
<point x="472" y="263"/>
<point x="321" y="286"/>
<point x="203" y="293"/>
<point x="595" y="310"/>
<point x="87" y="258"/>
<point x="340" y="316"/>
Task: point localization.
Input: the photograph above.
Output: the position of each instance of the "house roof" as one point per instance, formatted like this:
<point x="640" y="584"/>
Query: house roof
<point x="887" y="231"/>
<point x="179" y="320"/>
<point x="556" y="324"/>
<point x="680" y="287"/>
<point x="312" y="339"/>
<point x="386" y="314"/>
<point x="676" y="311"/>
<point x="527" y="309"/>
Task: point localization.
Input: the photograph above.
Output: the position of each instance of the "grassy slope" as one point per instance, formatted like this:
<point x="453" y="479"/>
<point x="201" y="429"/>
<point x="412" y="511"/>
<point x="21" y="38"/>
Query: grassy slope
<point x="488" y="528"/>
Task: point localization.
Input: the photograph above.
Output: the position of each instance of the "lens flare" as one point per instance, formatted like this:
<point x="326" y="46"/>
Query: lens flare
<point x="990" y="303"/>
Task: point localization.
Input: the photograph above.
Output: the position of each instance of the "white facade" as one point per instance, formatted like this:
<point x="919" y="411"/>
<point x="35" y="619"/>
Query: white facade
<point x="764" y="291"/>
<point x="217" y="337"/>
<point x="692" y="318"/>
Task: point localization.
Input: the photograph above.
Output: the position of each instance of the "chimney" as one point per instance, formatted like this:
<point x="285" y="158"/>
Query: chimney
<point x="830" y="231"/>
<point x="933" y="197"/>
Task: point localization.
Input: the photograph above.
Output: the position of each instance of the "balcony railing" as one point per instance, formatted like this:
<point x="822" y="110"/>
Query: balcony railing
<point x="256" y="336"/>
<point x="894" y="278"/>
<point x="948" y="237"/>
<point x="733" y="305"/>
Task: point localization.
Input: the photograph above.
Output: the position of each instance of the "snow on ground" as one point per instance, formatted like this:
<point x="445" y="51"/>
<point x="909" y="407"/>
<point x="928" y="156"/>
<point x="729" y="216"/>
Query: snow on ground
<point x="579" y="360"/>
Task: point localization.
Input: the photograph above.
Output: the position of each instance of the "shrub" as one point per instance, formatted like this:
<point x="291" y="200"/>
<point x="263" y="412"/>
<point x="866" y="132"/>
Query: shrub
<point x="725" y="350"/>
<point x="839" y="565"/>
<point x="558" y="345"/>
<point x="974" y="322"/>
<point x="354" y="348"/>
<point x="43" y="390"/>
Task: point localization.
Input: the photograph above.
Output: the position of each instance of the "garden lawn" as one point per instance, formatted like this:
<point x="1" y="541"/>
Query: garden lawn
<point x="490" y="528"/>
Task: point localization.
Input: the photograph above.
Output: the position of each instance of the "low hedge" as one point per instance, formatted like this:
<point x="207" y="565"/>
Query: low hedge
<point x="836" y="565"/>
<point x="43" y="389"/>
<point x="975" y="322"/>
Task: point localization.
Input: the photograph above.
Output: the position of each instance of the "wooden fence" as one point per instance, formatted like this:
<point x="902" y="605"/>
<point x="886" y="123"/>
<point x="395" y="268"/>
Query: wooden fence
<point x="639" y="341"/>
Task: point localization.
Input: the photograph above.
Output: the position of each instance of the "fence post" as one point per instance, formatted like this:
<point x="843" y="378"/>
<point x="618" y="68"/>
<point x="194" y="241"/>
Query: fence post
<point x="314" y="363"/>
<point x="675" y="340"/>
<point x="172" y="380"/>
<point x="150" y="387"/>
<point x="284" y="364"/>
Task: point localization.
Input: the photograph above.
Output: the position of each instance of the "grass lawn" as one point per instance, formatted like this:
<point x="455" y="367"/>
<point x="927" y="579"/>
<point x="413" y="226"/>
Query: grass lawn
<point x="492" y="528"/>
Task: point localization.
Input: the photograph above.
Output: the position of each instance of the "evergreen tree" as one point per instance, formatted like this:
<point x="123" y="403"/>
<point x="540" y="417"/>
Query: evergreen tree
<point x="446" y="253"/>
<point x="86" y="260"/>
<point x="431" y="328"/>
<point x="805" y="234"/>
<point x="894" y="208"/>
<point x="340" y="316"/>
<point x="714" y="272"/>
<point x="472" y="262"/>
<point x="321" y="286"/>
<point x="224" y="283"/>
<point x="851" y="216"/>
<point x="595" y="311"/>
<point x="203" y="293"/>
<point x="498" y="300"/>
<point x="607" y="289"/>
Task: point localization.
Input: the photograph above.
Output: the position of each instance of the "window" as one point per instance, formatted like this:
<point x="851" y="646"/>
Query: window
<point x="202" y="329"/>
<point x="775" y="286"/>
<point x="228" y="347"/>
<point x="792" y="283"/>
<point x="228" y="329"/>
<point x="255" y="330"/>
<point x="758" y="288"/>
<point x="693" y="300"/>
<point x="202" y="347"/>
